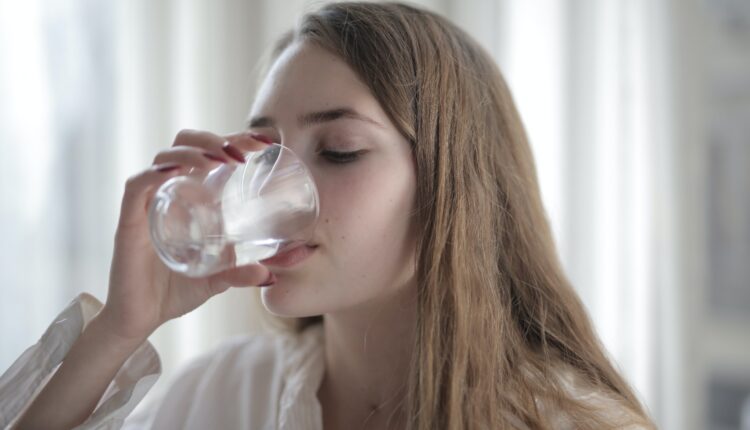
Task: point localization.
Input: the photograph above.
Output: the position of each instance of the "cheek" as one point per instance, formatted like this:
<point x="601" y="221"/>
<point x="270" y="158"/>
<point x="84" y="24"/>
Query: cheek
<point x="366" y="231"/>
<point x="366" y="220"/>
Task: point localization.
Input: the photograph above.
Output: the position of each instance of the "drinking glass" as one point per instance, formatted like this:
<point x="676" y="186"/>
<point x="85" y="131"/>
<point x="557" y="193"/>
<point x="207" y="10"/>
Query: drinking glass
<point x="236" y="214"/>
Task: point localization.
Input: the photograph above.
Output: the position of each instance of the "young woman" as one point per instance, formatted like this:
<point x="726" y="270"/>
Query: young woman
<point x="431" y="296"/>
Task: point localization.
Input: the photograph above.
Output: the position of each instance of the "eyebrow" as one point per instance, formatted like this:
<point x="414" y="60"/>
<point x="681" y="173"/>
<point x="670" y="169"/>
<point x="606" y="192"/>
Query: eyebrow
<point x="316" y="118"/>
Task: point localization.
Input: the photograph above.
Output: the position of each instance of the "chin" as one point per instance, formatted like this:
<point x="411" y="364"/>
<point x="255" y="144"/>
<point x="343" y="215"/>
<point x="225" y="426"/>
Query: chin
<point x="286" y="302"/>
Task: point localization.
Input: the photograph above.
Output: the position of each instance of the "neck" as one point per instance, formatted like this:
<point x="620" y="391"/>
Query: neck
<point x="367" y="352"/>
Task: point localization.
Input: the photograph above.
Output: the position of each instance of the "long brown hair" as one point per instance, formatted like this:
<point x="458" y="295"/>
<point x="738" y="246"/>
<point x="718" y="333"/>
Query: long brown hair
<point x="503" y="340"/>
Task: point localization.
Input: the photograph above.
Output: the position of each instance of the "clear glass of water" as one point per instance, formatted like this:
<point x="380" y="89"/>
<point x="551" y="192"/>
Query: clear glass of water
<point x="236" y="214"/>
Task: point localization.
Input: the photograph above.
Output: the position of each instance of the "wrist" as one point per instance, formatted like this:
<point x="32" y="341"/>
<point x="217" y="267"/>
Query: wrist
<point x="102" y="328"/>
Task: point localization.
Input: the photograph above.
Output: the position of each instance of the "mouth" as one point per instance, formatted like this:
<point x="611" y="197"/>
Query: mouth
<point x="291" y="256"/>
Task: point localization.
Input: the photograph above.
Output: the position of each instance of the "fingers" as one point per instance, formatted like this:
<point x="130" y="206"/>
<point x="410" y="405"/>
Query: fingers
<point x="139" y="188"/>
<point x="229" y="147"/>
<point x="191" y="149"/>
<point x="202" y="149"/>
<point x="192" y="156"/>
<point x="244" y="276"/>
<point x="247" y="141"/>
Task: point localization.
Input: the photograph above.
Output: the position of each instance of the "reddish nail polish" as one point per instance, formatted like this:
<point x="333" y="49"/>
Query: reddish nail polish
<point x="233" y="152"/>
<point x="270" y="281"/>
<point x="214" y="157"/>
<point x="168" y="168"/>
<point x="261" y="138"/>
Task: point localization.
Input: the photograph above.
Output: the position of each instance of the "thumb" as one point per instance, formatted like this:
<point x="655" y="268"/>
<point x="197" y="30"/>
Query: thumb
<point x="244" y="276"/>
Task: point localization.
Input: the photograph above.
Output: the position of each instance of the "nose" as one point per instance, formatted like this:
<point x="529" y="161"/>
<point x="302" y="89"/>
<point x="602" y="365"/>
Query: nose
<point x="301" y="144"/>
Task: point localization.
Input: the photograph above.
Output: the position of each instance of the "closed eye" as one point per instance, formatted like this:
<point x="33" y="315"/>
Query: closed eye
<point x="341" y="157"/>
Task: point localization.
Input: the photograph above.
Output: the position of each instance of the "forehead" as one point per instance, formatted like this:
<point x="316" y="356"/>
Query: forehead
<point x="306" y="77"/>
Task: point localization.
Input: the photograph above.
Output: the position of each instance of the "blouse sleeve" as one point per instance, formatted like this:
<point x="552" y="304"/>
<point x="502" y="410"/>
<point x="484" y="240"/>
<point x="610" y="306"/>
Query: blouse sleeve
<point x="26" y="377"/>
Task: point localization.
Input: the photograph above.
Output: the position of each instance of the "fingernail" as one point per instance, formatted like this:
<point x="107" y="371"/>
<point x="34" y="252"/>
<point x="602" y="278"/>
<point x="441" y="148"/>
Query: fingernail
<point x="261" y="138"/>
<point x="270" y="281"/>
<point x="167" y="168"/>
<point x="233" y="152"/>
<point x="214" y="157"/>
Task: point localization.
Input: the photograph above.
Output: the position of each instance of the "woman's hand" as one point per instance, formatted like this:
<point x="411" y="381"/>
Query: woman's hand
<point x="143" y="292"/>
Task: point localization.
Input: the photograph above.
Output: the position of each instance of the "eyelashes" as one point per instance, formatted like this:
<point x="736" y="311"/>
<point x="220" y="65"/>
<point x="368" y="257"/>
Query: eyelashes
<point x="340" y="157"/>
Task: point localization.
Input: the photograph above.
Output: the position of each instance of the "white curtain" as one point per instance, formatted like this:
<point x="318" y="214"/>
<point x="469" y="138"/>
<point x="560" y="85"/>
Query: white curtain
<point x="57" y="187"/>
<point x="92" y="90"/>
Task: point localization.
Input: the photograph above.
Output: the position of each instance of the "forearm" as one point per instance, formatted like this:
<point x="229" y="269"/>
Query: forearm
<point x="71" y="395"/>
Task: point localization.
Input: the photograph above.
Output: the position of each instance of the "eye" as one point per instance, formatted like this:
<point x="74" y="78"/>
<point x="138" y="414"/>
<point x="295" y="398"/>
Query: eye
<point x="340" y="157"/>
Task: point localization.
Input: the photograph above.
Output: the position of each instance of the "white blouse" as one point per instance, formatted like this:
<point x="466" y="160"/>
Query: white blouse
<point x="248" y="382"/>
<point x="258" y="382"/>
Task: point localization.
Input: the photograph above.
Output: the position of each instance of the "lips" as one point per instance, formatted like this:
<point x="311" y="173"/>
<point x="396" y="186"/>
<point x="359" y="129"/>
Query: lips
<point x="291" y="256"/>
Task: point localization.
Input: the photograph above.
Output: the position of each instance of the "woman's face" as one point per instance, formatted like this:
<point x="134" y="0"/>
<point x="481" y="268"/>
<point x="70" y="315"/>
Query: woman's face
<point x="313" y="102"/>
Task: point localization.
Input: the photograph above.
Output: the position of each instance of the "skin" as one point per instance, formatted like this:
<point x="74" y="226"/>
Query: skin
<point x="143" y="293"/>
<point x="361" y="277"/>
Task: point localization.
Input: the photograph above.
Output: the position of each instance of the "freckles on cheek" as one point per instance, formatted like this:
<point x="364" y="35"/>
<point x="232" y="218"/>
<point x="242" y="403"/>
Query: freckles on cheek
<point x="365" y="209"/>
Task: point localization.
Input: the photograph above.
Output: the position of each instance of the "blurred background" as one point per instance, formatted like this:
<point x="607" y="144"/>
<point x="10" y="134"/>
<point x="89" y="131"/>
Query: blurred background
<point x="638" y="112"/>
